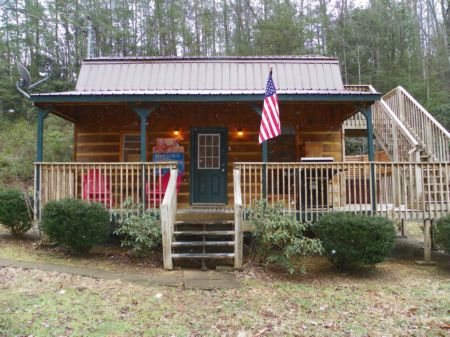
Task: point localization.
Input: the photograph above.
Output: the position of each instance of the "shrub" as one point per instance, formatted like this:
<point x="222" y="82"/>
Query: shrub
<point x="14" y="213"/>
<point x="279" y="237"/>
<point x="141" y="230"/>
<point x="441" y="233"/>
<point x="352" y="240"/>
<point x="75" y="224"/>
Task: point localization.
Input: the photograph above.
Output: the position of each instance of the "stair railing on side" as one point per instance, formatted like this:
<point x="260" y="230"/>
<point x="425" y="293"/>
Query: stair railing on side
<point x="393" y="136"/>
<point x="168" y="214"/>
<point x="427" y="130"/>
<point x="238" y="209"/>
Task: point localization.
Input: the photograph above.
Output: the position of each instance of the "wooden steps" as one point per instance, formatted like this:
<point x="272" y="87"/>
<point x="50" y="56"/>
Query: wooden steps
<point x="206" y="233"/>
<point x="202" y="243"/>
<point x="203" y="235"/>
<point x="203" y="256"/>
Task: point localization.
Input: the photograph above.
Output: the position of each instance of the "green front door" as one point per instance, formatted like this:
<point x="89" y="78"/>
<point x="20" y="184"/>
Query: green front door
<point x="208" y="166"/>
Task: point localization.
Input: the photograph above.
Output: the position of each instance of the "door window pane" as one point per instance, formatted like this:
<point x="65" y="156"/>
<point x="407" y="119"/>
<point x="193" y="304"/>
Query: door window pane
<point x="208" y="151"/>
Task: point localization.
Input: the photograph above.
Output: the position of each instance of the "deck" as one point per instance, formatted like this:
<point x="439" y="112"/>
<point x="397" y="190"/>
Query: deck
<point x="395" y="190"/>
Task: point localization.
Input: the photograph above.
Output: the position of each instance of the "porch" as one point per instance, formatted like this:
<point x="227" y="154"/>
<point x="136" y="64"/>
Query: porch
<point x="399" y="191"/>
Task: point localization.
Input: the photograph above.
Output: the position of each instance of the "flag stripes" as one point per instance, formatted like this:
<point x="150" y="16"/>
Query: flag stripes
<point x="270" y="119"/>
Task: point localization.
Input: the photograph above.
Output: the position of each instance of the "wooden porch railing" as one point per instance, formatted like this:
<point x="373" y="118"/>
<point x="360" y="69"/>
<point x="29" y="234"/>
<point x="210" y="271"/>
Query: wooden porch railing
<point x="357" y="121"/>
<point x="399" y="191"/>
<point x="433" y="137"/>
<point x="168" y="214"/>
<point x="238" y="211"/>
<point x="107" y="183"/>
<point x="393" y="136"/>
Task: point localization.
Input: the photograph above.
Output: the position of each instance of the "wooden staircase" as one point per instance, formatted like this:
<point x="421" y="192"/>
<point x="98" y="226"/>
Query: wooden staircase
<point x="405" y="129"/>
<point x="202" y="236"/>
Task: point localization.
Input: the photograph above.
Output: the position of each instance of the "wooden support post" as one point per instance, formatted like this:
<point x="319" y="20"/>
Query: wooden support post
<point x="427" y="241"/>
<point x="42" y="114"/>
<point x="168" y="214"/>
<point x="264" y="157"/>
<point x="426" y="244"/>
<point x="143" y="113"/>
<point x="371" y="154"/>
<point x="395" y="144"/>
<point x="166" y="237"/>
<point x="238" y="209"/>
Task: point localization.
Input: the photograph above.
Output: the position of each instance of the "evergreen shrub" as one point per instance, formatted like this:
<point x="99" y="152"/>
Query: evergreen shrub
<point x="140" y="230"/>
<point x="14" y="213"/>
<point x="441" y="233"/>
<point x="75" y="224"/>
<point x="279" y="238"/>
<point x="352" y="240"/>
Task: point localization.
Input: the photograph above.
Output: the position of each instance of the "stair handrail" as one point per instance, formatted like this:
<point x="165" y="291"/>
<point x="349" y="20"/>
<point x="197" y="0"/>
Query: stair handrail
<point x="399" y="124"/>
<point x="238" y="218"/>
<point x="396" y="153"/>
<point x="420" y="106"/>
<point x="168" y="214"/>
<point x="436" y="144"/>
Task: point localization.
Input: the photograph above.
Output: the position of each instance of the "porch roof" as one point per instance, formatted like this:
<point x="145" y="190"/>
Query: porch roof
<point x="208" y="79"/>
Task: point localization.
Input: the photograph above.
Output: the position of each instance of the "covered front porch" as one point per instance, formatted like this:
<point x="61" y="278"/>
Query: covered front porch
<point x="181" y="133"/>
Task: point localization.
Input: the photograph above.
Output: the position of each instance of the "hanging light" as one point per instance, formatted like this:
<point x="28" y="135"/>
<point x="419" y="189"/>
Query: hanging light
<point x="240" y="132"/>
<point x="176" y="132"/>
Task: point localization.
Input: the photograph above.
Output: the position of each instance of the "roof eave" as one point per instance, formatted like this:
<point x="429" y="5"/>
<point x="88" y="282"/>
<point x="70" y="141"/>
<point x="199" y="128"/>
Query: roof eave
<point x="328" y="97"/>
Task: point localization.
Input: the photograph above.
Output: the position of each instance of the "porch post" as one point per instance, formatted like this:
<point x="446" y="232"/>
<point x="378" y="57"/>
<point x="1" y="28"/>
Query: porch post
<point x="371" y="154"/>
<point x="143" y="113"/>
<point x="264" y="155"/>
<point x="42" y="114"/>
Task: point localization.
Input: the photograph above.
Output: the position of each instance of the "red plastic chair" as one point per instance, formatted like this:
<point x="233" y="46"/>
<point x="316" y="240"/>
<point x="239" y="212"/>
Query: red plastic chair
<point x="96" y="187"/>
<point x="155" y="195"/>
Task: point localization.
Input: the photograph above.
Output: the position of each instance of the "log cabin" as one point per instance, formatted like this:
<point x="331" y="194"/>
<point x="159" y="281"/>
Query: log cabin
<point x="181" y="134"/>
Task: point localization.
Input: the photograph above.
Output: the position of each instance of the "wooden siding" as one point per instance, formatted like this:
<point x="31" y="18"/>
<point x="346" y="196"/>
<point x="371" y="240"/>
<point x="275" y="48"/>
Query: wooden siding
<point x="100" y="131"/>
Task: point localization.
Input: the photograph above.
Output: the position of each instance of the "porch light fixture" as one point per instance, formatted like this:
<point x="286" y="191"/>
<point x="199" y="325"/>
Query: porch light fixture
<point x="176" y="132"/>
<point x="240" y="132"/>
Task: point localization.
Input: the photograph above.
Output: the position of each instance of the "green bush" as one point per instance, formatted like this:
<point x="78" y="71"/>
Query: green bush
<point x="140" y="230"/>
<point x="14" y="213"/>
<point x="279" y="238"/>
<point x="75" y="224"/>
<point x="352" y="240"/>
<point x="441" y="233"/>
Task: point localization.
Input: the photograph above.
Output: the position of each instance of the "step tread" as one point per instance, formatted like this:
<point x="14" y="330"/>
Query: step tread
<point x="203" y="232"/>
<point x="202" y="255"/>
<point x="201" y="243"/>
<point x="206" y="222"/>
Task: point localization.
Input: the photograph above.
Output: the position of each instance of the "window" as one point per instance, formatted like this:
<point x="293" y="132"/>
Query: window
<point x="131" y="148"/>
<point x="208" y="151"/>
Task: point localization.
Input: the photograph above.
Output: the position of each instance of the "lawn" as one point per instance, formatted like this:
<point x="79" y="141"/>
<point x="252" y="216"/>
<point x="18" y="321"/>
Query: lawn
<point x="398" y="298"/>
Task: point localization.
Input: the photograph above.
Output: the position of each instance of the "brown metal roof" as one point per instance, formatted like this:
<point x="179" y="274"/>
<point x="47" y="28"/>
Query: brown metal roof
<point x="209" y="75"/>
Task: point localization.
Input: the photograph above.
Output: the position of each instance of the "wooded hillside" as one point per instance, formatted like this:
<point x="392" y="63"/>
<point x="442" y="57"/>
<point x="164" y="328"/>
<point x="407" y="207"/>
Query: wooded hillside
<point x="380" y="42"/>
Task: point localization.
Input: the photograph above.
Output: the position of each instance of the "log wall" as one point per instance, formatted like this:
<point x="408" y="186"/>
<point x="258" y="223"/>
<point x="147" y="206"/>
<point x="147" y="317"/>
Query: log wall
<point x="316" y="131"/>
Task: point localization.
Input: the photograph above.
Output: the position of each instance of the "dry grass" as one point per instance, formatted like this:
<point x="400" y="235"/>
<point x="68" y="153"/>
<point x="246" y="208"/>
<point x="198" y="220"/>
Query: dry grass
<point x="398" y="298"/>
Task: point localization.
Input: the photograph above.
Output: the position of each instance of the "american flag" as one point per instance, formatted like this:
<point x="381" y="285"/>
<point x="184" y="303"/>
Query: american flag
<point x="270" y="119"/>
